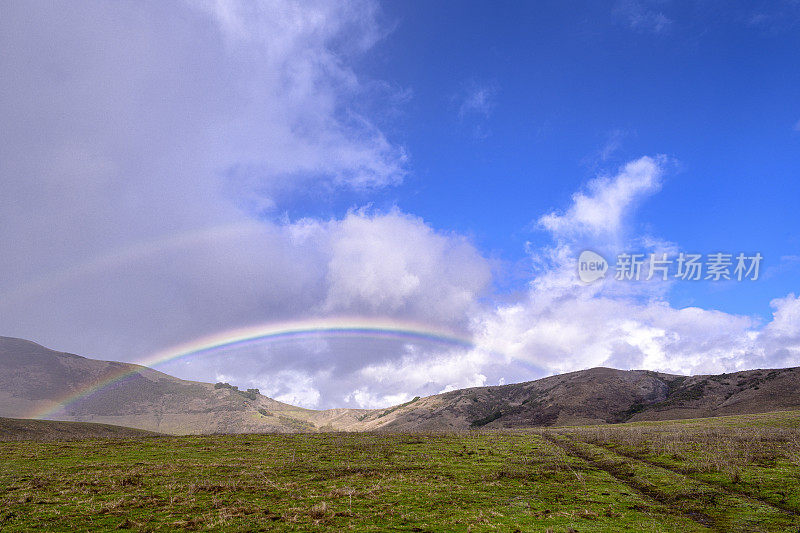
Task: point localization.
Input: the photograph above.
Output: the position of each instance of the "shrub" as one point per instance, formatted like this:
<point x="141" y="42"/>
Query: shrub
<point x="249" y="394"/>
<point x="486" y="419"/>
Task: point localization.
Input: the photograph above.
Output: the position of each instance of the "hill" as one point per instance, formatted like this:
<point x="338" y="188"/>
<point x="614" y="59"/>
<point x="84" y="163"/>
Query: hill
<point x="34" y="379"/>
<point x="13" y="429"/>
<point x="601" y="395"/>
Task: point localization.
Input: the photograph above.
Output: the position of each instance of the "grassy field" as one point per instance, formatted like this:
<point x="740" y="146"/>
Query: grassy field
<point x="724" y="474"/>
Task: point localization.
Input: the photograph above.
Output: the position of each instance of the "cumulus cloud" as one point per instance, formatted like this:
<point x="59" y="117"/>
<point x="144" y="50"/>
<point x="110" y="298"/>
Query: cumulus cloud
<point x="562" y="324"/>
<point x="415" y="374"/>
<point x="780" y="339"/>
<point x="397" y="265"/>
<point x="601" y="211"/>
<point x="143" y="147"/>
<point x="147" y="155"/>
<point x="570" y="333"/>
<point x="145" y="150"/>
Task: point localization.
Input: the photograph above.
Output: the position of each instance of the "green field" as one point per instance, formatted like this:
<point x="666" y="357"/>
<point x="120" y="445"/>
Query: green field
<point x="724" y="474"/>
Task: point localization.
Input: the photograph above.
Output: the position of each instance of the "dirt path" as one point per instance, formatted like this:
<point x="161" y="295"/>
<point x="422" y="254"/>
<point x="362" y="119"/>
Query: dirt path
<point x="639" y="488"/>
<point x="720" y="486"/>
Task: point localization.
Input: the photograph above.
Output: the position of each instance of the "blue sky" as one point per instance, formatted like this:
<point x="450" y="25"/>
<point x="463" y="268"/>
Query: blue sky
<point x="181" y="170"/>
<point x="575" y="89"/>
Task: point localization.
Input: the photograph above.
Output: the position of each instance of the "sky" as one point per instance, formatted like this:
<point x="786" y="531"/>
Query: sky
<point x="177" y="170"/>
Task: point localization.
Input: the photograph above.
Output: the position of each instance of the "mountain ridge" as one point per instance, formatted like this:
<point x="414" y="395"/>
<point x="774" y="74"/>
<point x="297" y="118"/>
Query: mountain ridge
<point x="34" y="379"/>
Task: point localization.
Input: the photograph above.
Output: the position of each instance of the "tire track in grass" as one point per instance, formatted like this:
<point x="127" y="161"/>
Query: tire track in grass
<point x="644" y="491"/>
<point x="687" y="473"/>
<point x="705" y="503"/>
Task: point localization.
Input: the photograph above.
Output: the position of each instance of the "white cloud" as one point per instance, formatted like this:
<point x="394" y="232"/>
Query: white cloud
<point x="601" y="211"/>
<point x="364" y="399"/>
<point x="557" y="325"/>
<point x="571" y="332"/>
<point x="780" y="339"/>
<point x="294" y="387"/>
<point x="146" y="167"/>
<point x="562" y="325"/>
<point x="141" y="148"/>
<point x="396" y="265"/>
<point x="426" y="373"/>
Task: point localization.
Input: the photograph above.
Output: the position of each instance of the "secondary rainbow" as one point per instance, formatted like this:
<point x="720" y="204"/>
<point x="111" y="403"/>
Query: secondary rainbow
<point x="274" y="332"/>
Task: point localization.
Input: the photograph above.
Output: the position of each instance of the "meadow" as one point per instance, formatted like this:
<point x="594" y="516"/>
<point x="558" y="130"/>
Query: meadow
<point x="739" y="473"/>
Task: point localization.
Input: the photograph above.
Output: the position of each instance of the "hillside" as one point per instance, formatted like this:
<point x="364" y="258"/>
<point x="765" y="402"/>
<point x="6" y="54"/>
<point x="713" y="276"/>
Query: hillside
<point x="34" y="379"/>
<point x="601" y="395"/>
<point x="13" y="429"/>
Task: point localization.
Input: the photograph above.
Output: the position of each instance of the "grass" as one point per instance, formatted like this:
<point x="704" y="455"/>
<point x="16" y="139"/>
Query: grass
<point x="723" y="474"/>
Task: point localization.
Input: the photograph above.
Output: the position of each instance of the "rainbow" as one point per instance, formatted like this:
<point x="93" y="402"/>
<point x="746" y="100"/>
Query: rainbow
<point x="273" y="332"/>
<point x="46" y="284"/>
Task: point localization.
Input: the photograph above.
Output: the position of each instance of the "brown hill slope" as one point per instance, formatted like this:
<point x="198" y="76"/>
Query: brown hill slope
<point x="34" y="379"/>
<point x="601" y="395"/>
<point x="12" y="429"/>
<point x="750" y="391"/>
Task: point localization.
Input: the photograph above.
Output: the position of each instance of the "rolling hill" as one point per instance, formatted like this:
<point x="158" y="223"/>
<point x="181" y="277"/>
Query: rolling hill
<point x="34" y="379"/>
<point x="602" y="395"/>
<point x="13" y="429"/>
